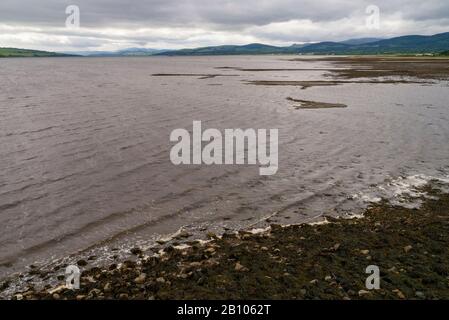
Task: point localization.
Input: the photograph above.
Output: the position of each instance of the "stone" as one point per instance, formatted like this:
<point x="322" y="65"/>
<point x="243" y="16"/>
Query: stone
<point x="82" y="263"/>
<point x="336" y="247"/>
<point x="420" y="294"/>
<point x="240" y="267"/>
<point x="399" y="293"/>
<point x="123" y="296"/>
<point x="407" y="248"/>
<point x="141" y="278"/>
<point x="107" y="287"/>
<point x="363" y="293"/>
<point x="136" y="251"/>
<point x="210" y="250"/>
<point x="211" y="235"/>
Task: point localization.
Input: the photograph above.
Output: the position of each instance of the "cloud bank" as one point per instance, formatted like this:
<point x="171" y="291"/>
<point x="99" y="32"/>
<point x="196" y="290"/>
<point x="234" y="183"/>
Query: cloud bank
<point x="118" y="24"/>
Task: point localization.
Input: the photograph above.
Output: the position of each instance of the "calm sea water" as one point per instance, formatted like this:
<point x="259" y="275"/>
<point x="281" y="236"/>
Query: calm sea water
<point x="84" y="148"/>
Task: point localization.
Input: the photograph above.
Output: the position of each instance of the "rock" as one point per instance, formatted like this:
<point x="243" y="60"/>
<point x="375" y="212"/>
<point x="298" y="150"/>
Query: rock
<point x="336" y="247"/>
<point x="420" y="294"/>
<point x="28" y="293"/>
<point x="183" y="234"/>
<point x="303" y="292"/>
<point x="112" y="267"/>
<point x="210" y="250"/>
<point x="240" y="267"/>
<point x="363" y="293"/>
<point x="82" y="263"/>
<point x="57" y="289"/>
<point x="364" y="252"/>
<point x="19" y="297"/>
<point x="195" y="264"/>
<point x="408" y="248"/>
<point x="107" y="287"/>
<point x="123" y="296"/>
<point x="392" y="269"/>
<point x="80" y="297"/>
<point x="136" y="251"/>
<point x="328" y="278"/>
<point x="211" y="235"/>
<point x="56" y="296"/>
<point x="264" y="249"/>
<point x="90" y="279"/>
<point x="399" y="293"/>
<point x="94" y="293"/>
<point x="141" y="278"/>
<point x="160" y="280"/>
<point x="314" y="281"/>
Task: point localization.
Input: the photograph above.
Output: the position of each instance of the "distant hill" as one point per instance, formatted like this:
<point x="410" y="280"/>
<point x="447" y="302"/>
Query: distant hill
<point x="399" y="45"/>
<point x="13" y="52"/>
<point x="253" y="48"/>
<point x="137" y="52"/>
<point x="360" y="41"/>
<point x="128" y="52"/>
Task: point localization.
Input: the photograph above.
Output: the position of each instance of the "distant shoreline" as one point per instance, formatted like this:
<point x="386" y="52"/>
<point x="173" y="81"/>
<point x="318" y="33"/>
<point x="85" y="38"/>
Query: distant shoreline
<point x="434" y="45"/>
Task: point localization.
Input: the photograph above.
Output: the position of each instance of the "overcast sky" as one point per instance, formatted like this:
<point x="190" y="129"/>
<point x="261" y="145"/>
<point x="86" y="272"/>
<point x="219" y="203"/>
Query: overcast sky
<point x="118" y="24"/>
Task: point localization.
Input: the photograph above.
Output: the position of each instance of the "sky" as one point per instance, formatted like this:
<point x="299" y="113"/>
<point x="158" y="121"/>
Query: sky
<point x="106" y="25"/>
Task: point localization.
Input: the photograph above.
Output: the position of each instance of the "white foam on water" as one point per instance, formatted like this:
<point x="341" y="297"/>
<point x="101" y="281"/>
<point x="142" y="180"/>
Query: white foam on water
<point x="402" y="191"/>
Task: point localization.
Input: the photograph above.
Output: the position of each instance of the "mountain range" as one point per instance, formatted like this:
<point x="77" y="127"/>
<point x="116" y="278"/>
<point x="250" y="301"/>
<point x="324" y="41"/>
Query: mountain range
<point x="413" y="44"/>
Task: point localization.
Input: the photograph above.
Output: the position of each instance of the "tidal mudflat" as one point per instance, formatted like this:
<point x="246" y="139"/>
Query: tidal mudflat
<point x="86" y="176"/>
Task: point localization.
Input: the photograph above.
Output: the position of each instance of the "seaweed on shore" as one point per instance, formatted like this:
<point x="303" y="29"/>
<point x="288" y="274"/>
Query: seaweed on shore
<point x="357" y="67"/>
<point x="307" y="104"/>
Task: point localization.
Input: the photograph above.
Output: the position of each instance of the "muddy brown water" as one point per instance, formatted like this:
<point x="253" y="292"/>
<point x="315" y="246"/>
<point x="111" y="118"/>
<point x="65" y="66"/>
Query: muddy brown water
<point x="84" y="148"/>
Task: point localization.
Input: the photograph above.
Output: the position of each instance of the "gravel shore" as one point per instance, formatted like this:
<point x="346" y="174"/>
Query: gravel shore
<point x="321" y="261"/>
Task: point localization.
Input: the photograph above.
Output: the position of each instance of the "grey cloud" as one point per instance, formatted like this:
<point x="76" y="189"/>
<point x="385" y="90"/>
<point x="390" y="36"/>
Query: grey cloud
<point x="233" y="18"/>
